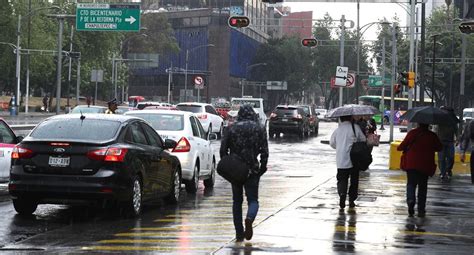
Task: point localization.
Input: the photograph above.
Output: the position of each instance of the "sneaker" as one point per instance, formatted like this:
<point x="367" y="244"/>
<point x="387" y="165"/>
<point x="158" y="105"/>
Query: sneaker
<point x="248" y="229"/>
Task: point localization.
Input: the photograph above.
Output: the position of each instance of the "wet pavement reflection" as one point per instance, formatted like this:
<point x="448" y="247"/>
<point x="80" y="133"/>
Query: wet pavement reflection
<point x="299" y="214"/>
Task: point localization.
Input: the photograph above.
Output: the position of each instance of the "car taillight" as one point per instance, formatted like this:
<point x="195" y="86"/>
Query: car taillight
<point x="202" y="116"/>
<point x="273" y="115"/>
<point x="298" y="117"/>
<point x="19" y="152"/>
<point x="110" y="154"/>
<point x="182" y="146"/>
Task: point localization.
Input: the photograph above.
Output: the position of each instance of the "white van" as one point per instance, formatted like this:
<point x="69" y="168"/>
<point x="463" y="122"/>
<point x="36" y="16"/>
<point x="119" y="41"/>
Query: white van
<point x="256" y="103"/>
<point x="467" y="114"/>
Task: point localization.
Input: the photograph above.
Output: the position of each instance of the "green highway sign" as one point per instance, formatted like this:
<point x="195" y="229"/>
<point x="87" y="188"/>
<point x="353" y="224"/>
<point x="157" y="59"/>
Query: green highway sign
<point x="376" y="81"/>
<point x="107" y="17"/>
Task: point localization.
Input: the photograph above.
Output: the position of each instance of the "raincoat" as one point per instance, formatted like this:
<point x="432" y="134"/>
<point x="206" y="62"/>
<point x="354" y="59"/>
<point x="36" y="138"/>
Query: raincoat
<point x="248" y="139"/>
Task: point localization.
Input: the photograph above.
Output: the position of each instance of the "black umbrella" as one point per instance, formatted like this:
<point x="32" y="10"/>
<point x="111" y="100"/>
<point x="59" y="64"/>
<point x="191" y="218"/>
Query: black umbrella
<point x="430" y="115"/>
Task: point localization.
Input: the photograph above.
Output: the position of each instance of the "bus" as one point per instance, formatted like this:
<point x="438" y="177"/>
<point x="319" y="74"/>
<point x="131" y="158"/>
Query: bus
<point x="400" y="106"/>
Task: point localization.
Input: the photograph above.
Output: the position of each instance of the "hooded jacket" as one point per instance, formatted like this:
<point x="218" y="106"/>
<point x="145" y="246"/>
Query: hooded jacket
<point x="248" y="139"/>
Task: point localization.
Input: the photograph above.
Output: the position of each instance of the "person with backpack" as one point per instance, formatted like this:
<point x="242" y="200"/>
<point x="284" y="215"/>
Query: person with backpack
<point x="466" y="142"/>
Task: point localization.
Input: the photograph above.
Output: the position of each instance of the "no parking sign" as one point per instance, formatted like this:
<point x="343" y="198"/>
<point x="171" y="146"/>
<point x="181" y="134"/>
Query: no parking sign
<point x="198" y="82"/>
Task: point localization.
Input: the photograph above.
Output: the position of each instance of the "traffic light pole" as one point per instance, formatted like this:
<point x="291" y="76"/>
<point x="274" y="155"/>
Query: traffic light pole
<point x="412" y="53"/>
<point x="392" y="94"/>
<point x="382" y="102"/>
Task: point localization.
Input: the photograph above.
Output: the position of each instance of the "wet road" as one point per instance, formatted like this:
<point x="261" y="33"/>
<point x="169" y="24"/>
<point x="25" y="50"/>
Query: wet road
<point x="298" y="214"/>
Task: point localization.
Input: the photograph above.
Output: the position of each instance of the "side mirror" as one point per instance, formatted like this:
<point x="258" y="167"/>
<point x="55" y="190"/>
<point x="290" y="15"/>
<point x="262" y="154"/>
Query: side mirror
<point x="212" y="137"/>
<point x="170" y="144"/>
<point x="19" y="138"/>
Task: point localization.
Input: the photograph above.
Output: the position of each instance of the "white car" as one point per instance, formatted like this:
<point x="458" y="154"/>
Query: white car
<point x="7" y="141"/>
<point x="211" y="121"/>
<point x="193" y="150"/>
<point x="321" y="113"/>
<point x="256" y="103"/>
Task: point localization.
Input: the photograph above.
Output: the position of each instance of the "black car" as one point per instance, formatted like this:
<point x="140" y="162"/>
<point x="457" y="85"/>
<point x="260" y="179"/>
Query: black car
<point x="312" y="119"/>
<point x="98" y="158"/>
<point x="288" y="119"/>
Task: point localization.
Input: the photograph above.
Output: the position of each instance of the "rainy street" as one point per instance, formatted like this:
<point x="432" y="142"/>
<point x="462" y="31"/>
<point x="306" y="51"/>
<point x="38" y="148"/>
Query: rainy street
<point x="299" y="214"/>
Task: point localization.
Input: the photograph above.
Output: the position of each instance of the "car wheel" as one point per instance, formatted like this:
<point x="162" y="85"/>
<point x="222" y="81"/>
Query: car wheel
<point x="24" y="206"/>
<point x="173" y="196"/>
<point x="301" y="132"/>
<point x="136" y="199"/>
<point x="316" y="130"/>
<point x="193" y="184"/>
<point x="209" y="183"/>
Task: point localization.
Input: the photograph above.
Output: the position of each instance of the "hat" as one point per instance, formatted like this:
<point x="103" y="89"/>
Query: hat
<point x="113" y="101"/>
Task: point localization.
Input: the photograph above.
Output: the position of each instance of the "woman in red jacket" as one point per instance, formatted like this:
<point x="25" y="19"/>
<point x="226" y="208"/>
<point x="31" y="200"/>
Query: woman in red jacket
<point x="420" y="145"/>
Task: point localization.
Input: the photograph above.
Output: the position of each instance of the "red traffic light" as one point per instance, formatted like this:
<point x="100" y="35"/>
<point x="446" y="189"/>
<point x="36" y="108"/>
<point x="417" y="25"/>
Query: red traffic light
<point x="467" y="27"/>
<point x="238" y="21"/>
<point x="309" y="42"/>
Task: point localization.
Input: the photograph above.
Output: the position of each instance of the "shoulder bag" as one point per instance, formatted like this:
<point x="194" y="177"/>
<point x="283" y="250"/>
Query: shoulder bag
<point x="233" y="169"/>
<point x="360" y="154"/>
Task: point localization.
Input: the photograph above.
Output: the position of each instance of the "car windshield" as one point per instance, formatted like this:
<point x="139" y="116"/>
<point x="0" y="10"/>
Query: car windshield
<point x="85" y="109"/>
<point x="163" y="122"/>
<point x="253" y="103"/>
<point x="305" y="109"/>
<point x="76" y="129"/>
<point x="190" y="108"/>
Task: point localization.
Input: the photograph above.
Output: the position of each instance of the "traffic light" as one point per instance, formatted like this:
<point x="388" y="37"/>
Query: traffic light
<point x="238" y="21"/>
<point x="397" y="89"/>
<point x="467" y="27"/>
<point x="403" y="78"/>
<point x="309" y="42"/>
<point x="411" y="79"/>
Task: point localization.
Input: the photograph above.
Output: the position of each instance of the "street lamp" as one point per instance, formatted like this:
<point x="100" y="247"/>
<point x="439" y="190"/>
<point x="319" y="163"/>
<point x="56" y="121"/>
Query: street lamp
<point x="186" y="68"/>
<point x="247" y="71"/>
<point x="359" y="35"/>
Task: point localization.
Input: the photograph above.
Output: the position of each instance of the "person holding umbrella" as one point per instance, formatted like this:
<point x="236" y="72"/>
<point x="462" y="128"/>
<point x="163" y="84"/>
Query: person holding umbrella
<point x="447" y="135"/>
<point x="420" y="145"/>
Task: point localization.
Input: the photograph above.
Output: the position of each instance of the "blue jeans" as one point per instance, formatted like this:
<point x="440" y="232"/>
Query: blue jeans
<point x="251" y="191"/>
<point x="446" y="158"/>
<point x="414" y="179"/>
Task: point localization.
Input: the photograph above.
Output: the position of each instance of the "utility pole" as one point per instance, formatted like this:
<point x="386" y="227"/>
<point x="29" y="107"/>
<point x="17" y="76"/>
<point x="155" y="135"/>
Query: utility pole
<point x="421" y="75"/>
<point x="382" y="102"/>
<point x="463" y="63"/>
<point x="341" y="60"/>
<point x="68" y="107"/>
<point x="394" y="65"/>
<point x="59" y="63"/>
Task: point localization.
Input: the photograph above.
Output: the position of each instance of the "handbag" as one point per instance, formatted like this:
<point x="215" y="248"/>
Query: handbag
<point x="373" y="139"/>
<point x="233" y="169"/>
<point x="360" y="154"/>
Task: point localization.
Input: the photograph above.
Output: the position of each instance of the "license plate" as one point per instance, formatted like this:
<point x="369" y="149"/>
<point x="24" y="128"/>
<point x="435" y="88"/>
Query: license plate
<point x="59" y="162"/>
<point x="284" y="119"/>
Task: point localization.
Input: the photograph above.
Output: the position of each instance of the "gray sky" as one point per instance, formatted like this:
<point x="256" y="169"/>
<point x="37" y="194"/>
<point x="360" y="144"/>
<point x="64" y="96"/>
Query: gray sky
<point x="369" y="12"/>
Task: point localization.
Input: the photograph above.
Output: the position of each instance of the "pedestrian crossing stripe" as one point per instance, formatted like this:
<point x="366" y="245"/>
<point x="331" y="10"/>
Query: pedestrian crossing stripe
<point x="177" y="235"/>
<point x="134" y="241"/>
<point x="146" y="248"/>
<point x="187" y="228"/>
<point x="208" y="215"/>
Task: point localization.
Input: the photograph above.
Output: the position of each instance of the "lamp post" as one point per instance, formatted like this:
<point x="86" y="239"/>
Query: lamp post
<point x="359" y="35"/>
<point x="186" y="68"/>
<point x="247" y="71"/>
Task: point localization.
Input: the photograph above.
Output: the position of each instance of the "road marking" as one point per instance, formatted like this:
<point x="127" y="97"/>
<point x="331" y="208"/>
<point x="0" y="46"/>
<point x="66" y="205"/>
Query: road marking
<point x="160" y="234"/>
<point x="133" y="241"/>
<point x="408" y="232"/>
<point x="144" y="248"/>
<point x="183" y="226"/>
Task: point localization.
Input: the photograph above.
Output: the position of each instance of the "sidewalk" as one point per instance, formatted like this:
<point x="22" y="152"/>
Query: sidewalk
<point x="379" y="224"/>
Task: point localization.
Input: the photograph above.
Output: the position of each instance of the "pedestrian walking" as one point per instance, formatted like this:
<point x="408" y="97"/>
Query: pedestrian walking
<point x="466" y="143"/>
<point x="247" y="139"/>
<point x="447" y="135"/>
<point x="419" y="146"/>
<point x="342" y="139"/>
<point x="112" y="106"/>
<point x="45" y="103"/>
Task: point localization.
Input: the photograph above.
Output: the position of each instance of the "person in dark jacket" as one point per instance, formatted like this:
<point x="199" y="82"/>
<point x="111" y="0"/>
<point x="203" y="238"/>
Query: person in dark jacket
<point x="420" y="145"/>
<point x="248" y="139"/>
<point x="447" y="135"/>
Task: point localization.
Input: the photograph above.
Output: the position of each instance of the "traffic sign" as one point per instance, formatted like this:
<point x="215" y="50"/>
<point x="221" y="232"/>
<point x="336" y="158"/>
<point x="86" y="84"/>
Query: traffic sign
<point x="107" y="17"/>
<point x="198" y="82"/>
<point x="341" y="76"/>
<point x="350" y="80"/>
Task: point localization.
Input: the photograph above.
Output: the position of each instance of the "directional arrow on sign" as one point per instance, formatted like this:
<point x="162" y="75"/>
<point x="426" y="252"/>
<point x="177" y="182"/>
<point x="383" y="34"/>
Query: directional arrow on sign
<point x="131" y="20"/>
